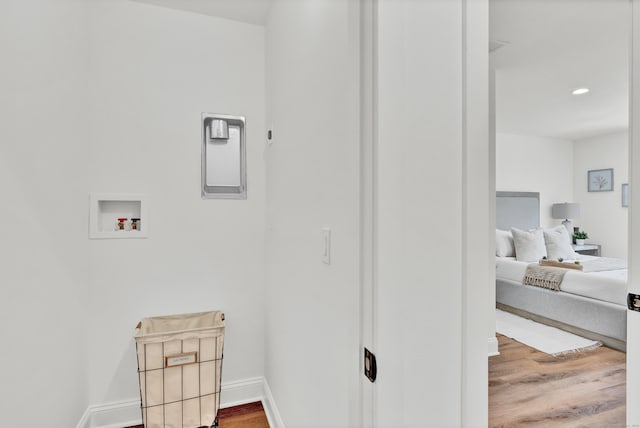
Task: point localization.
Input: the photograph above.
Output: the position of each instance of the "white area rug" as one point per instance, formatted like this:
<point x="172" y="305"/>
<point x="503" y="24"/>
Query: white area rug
<point x="549" y="340"/>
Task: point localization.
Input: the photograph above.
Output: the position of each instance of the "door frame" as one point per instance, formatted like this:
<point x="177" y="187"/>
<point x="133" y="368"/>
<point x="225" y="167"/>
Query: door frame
<point x="367" y="72"/>
<point x="633" y="318"/>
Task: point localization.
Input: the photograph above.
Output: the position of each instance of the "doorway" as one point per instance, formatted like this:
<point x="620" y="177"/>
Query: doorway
<point x="425" y="19"/>
<point x="549" y="139"/>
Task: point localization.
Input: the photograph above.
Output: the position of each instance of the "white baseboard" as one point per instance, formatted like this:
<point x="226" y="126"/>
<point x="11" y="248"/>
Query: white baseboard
<point x="127" y="413"/>
<point x="242" y="392"/>
<point x="493" y="346"/>
<point x="117" y="414"/>
<point x="85" y="420"/>
<point x="270" y="409"/>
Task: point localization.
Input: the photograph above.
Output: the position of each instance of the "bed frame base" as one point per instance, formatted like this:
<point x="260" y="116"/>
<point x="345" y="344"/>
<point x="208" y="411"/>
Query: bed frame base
<point x="606" y="340"/>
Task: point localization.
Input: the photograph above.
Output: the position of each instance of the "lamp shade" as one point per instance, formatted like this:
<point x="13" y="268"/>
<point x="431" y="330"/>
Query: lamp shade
<point x="566" y="210"/>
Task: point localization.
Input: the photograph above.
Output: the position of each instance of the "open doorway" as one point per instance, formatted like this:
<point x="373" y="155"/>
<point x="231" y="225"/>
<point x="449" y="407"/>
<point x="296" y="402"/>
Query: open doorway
<point x="562" y="147"/>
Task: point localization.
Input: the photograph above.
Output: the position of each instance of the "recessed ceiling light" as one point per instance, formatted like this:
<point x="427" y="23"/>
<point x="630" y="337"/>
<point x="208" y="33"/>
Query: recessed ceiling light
<point x="580" y="91"/>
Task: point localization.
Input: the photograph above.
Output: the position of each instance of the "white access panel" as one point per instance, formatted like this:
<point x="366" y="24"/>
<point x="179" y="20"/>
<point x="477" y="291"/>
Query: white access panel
<point x="223" y="157"/>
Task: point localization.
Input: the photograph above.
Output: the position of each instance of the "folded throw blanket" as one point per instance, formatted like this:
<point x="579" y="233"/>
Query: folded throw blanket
<point x="544" y="276"/>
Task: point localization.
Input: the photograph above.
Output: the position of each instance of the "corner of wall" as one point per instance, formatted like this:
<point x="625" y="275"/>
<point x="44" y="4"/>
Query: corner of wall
<point x="270" y="408"/>
<point x="85" y="419"/>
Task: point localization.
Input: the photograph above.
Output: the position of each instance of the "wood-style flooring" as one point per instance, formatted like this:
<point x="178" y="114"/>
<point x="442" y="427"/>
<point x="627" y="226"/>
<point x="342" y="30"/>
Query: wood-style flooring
<point x="245" y="416"/>
<point x="528" y="388"/>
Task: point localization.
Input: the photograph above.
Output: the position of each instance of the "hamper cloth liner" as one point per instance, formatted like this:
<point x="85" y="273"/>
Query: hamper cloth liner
<point x="179" y="368"/>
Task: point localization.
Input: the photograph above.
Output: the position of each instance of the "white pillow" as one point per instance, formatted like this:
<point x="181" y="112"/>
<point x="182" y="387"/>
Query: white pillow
<point x="558" y="243"/>
<point x="504" y="244"/>
<point x="529" y="245"/>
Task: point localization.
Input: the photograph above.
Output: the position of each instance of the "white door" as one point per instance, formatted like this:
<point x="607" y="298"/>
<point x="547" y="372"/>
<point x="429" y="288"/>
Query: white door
<point x="425" y="211"/>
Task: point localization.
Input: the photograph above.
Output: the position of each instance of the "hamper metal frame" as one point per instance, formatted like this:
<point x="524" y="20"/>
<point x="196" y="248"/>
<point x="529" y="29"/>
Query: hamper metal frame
<point x="205" y="390"/>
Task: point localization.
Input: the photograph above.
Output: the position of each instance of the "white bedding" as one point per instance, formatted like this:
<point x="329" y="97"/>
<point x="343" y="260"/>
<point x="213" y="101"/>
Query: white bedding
<point x="607" y="285"/>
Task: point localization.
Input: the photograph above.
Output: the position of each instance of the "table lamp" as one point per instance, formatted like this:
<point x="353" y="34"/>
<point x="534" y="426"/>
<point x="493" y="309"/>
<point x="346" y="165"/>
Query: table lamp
<point x="566" y="211"/>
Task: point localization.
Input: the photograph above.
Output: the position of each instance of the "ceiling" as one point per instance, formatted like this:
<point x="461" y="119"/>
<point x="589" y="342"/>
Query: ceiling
<point x="554" y="47"/>
<point x="248" y="11"/>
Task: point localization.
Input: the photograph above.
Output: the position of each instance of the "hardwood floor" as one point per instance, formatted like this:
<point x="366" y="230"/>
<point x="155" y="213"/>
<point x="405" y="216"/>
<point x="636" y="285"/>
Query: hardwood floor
<point x="528" y="388"/>
<point x="250" y="415"/>
<point x="247" y="416"/>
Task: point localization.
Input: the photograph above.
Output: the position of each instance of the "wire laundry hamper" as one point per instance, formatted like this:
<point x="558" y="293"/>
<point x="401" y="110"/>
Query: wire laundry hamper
<point x="179" y="369"/>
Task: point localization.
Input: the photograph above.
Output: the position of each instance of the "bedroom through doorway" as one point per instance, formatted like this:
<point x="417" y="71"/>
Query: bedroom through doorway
<point x="560" y="106"/>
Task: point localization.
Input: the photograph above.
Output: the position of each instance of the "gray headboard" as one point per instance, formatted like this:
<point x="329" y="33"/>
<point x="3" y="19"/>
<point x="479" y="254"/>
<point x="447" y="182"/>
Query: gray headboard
<point x="517" y="209"/>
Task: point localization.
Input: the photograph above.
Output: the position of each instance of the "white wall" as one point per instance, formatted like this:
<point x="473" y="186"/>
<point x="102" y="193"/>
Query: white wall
<point x="602" y="214"/>
<point x="558" y="170"/>
<point x="150" y="80"/>
<point x="312" y="170"/>
<point x="536" y="164"/>
<point x="43" y="257"/>
<point x="154" y="71"/>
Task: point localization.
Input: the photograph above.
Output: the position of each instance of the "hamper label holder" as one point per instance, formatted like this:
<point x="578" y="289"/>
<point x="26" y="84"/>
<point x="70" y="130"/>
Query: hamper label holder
<point x="183" y="359"/>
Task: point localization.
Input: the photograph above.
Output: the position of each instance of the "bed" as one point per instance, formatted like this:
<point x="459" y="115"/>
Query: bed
<point x="590" y="303"/>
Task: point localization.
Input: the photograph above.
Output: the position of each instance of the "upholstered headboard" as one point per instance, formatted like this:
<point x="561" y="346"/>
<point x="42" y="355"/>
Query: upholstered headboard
<point x="517" y="209"/>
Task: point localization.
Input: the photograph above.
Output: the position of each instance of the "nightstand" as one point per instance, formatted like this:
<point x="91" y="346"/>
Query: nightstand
<point x="587" y="249"/>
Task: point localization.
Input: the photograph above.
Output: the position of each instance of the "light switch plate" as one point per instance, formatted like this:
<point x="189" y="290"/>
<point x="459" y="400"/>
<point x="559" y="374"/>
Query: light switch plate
<point x="326" y="245"/>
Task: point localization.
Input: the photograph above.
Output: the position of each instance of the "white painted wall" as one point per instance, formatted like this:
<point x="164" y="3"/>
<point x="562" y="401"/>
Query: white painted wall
<point x="154" y="71"/>
<point x="312" y="182"/>
<point x="420" y="215"/>
<point x="43" y="257"/>
<point x="537" y="164"/>
<point x="150" y="79"/>
<point x="602" y="214"/>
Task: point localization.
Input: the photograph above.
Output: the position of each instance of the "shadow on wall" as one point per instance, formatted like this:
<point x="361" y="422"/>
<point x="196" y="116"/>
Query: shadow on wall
<point x="125" y="376"/>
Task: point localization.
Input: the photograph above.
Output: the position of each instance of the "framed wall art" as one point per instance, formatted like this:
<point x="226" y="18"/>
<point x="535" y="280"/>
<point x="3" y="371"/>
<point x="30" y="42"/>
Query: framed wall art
<point x="600" y="180"/>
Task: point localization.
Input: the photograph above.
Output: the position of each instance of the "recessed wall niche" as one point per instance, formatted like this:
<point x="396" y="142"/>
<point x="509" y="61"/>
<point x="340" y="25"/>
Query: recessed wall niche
<point x="118" y="216"/>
